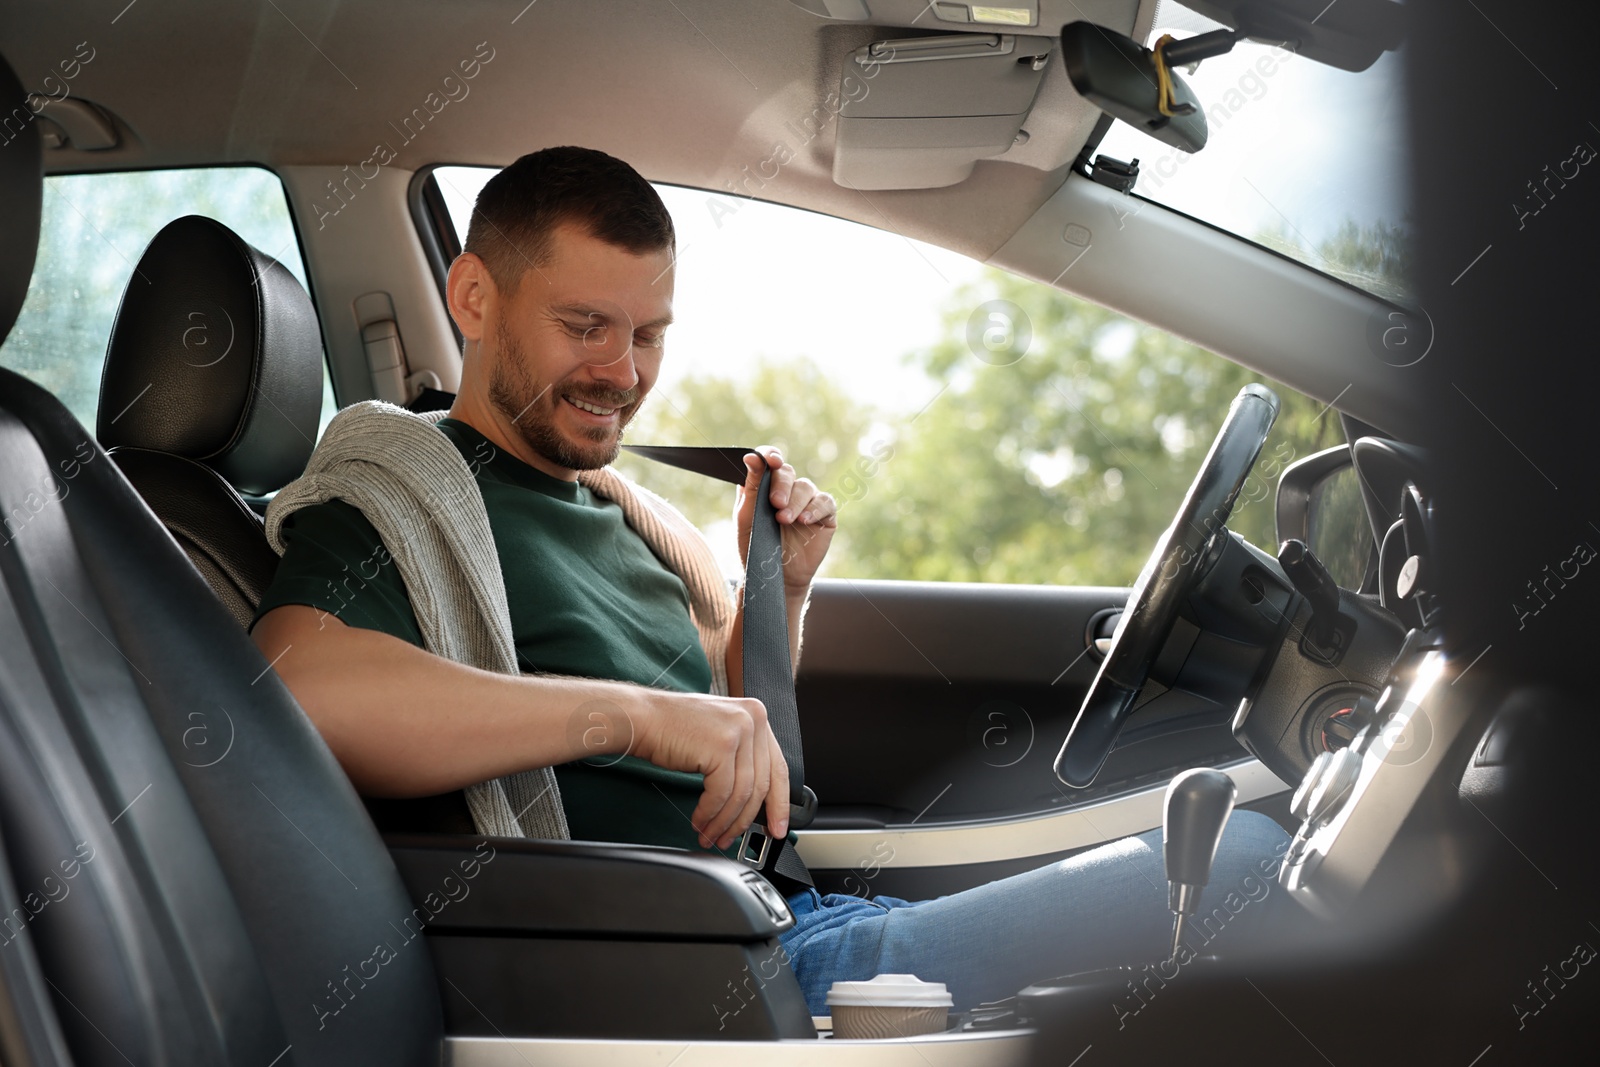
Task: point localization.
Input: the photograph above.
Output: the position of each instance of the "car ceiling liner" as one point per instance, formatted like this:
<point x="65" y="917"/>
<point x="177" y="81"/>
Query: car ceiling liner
<point x="919" y="112"/>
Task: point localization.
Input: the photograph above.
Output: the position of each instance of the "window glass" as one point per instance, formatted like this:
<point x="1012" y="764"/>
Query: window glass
<point x="1301" y="157"/>
<point x="94" y="229"/>
<point x="1340" y="534"/>
<point x="974" y="426"/>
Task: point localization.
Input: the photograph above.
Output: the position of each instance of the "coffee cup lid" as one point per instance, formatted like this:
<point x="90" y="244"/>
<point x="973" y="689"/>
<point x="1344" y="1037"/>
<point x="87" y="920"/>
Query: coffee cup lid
<point x="890" y="991"/>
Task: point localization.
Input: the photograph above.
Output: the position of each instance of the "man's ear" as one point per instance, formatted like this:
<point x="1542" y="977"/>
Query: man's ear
<point x="469" y="291"/>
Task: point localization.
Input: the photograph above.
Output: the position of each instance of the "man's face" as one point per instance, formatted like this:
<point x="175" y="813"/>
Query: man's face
<point x="573" y="353"/>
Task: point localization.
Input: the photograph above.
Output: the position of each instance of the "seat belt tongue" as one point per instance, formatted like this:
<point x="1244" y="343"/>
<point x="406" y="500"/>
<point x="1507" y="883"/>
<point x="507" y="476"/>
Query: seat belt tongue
<point x="752" y="852"/>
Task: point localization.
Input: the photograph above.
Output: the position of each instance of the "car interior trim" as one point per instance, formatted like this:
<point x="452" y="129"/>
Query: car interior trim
<point x="367" y="242"/>
<point x="981" y="841"/>
<point x="1387" y="772"/>
<point x="1001" y="1048"/>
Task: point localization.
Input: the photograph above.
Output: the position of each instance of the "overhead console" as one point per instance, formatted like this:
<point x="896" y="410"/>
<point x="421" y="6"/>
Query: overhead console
<point x="1009" y="14"/>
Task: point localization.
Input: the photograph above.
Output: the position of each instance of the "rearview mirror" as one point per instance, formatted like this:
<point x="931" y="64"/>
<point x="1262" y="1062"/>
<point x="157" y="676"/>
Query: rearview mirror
<point x="1122" y="78"/>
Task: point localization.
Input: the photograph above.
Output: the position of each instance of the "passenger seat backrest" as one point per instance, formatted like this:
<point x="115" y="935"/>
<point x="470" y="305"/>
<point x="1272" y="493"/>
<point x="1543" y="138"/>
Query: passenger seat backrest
<point x="212" y="385"/>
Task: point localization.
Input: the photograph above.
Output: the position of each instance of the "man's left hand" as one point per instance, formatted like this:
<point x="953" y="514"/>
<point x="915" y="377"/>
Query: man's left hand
<point x="807" y="517"/>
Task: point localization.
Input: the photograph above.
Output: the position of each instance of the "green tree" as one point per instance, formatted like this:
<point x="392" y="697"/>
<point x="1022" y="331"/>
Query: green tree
<point x="1377" y="257"/>
<point x="1064" y="466"/>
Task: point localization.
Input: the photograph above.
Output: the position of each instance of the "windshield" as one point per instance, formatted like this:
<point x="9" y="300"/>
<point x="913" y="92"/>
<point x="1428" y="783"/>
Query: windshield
<point x="1303" y="158"/>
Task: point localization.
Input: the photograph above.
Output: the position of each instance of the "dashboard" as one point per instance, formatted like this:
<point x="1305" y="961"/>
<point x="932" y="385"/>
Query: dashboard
<point x="1355" y="799"/>
<point x="1380" y="758"/>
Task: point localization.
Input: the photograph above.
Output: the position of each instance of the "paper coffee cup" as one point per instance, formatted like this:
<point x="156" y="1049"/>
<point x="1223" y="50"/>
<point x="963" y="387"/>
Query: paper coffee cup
<point x="890" y="1005"/>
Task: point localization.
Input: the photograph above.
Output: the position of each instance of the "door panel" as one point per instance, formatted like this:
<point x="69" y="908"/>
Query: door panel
<point x="933" y="702"/>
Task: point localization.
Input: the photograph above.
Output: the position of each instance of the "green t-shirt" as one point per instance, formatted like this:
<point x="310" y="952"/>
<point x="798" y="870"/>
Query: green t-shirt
<point x="588" y="598"/>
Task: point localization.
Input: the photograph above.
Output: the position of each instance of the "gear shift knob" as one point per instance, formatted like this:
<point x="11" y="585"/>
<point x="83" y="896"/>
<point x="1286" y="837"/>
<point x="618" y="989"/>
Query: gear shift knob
<point x="1199" y="802"/>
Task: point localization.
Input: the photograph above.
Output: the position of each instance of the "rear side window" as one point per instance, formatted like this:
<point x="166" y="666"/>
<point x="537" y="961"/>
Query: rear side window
<point x="94" y="229"/>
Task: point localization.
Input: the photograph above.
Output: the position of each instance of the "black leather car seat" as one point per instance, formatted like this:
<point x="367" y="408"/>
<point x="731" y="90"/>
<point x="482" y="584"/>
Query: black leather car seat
<point x="186" y="877"/>
<point x="212" y="385"/>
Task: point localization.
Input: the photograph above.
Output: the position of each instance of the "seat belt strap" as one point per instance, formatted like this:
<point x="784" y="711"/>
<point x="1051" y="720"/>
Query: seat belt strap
<point x="765" y="645"/>
<point x="767" y="673"/>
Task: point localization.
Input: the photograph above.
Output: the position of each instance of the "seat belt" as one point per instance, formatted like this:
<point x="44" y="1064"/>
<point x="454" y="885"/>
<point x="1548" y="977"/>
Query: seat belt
<point x="768" y="676"/>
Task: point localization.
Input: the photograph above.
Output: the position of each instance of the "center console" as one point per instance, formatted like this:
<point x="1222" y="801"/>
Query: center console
<point x="1353" y="801"/>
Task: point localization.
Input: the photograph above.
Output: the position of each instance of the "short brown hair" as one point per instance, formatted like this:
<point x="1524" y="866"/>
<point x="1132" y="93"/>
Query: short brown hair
<point x="519" y="209"/>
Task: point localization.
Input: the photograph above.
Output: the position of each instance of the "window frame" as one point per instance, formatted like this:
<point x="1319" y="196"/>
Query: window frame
<point x="440" y="243"/>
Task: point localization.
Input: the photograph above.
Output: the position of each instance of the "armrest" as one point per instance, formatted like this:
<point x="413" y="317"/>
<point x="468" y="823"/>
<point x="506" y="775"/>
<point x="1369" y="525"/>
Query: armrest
<point x="576" y="888"/>
<point x="548" y="937"/>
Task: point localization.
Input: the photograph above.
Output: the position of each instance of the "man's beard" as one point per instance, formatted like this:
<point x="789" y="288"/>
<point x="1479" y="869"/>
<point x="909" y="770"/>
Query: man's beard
<point x="532" y="411"/>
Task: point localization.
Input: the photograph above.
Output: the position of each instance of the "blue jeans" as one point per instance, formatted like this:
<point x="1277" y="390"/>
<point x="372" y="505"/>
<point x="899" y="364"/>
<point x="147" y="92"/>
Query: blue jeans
<point x="1099" y="908"/>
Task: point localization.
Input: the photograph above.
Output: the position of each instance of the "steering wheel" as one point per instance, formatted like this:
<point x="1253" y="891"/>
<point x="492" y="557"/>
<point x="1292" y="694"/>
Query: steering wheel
<point x="1181" y="555"/>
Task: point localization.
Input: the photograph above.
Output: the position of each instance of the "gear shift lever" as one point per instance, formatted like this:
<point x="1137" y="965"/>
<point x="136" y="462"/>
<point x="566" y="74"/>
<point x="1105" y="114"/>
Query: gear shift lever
<point x="1199" y="802"/>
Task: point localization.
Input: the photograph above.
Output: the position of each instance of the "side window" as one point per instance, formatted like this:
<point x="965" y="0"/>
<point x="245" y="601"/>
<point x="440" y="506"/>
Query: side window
<point x="974" y="426"/>
<point x="94" y="229"/>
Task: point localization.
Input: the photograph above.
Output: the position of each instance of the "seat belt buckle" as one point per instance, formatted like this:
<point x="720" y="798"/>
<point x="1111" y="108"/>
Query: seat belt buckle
<point x="751" y="852"/>
<point x="800" y="815"/>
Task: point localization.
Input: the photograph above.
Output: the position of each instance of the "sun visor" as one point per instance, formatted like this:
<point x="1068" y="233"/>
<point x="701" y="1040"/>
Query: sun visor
<point x="920" y="113"/>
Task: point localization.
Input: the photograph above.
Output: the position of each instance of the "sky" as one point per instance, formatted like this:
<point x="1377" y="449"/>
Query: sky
<point x="1305" y="146"/>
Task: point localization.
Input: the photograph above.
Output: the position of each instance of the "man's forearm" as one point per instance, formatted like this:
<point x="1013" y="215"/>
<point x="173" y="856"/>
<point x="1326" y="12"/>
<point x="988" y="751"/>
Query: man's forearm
<point x="796" y="603"/>
<point x="404" y="722"/>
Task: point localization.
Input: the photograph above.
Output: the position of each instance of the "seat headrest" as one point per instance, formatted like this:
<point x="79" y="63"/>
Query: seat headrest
<point x="22" y="191"/>
<point x="216" y="357"/>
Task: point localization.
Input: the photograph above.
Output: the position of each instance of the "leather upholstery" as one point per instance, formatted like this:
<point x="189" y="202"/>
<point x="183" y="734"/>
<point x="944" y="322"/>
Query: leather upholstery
<point x="237" y="896"/>
<point x="221" y="534"/>
<point x="186" y="876"/>
<point x="22" y="191"/>
<point x="212" y="383"/>
<point x="215" y="357"/>
<point x="165" y="443"/>
<point x="228" y="900"/>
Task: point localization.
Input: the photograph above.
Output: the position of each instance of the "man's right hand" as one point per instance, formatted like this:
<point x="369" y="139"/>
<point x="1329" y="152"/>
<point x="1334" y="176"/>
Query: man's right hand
<point x="728" y="740"/>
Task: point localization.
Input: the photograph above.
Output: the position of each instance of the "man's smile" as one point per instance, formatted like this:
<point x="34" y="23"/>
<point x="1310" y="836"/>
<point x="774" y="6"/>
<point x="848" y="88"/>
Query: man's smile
<point x="593" y="409"/>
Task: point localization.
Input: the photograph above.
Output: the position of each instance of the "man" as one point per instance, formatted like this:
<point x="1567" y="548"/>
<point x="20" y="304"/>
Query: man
<point x="563" y="297"/>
